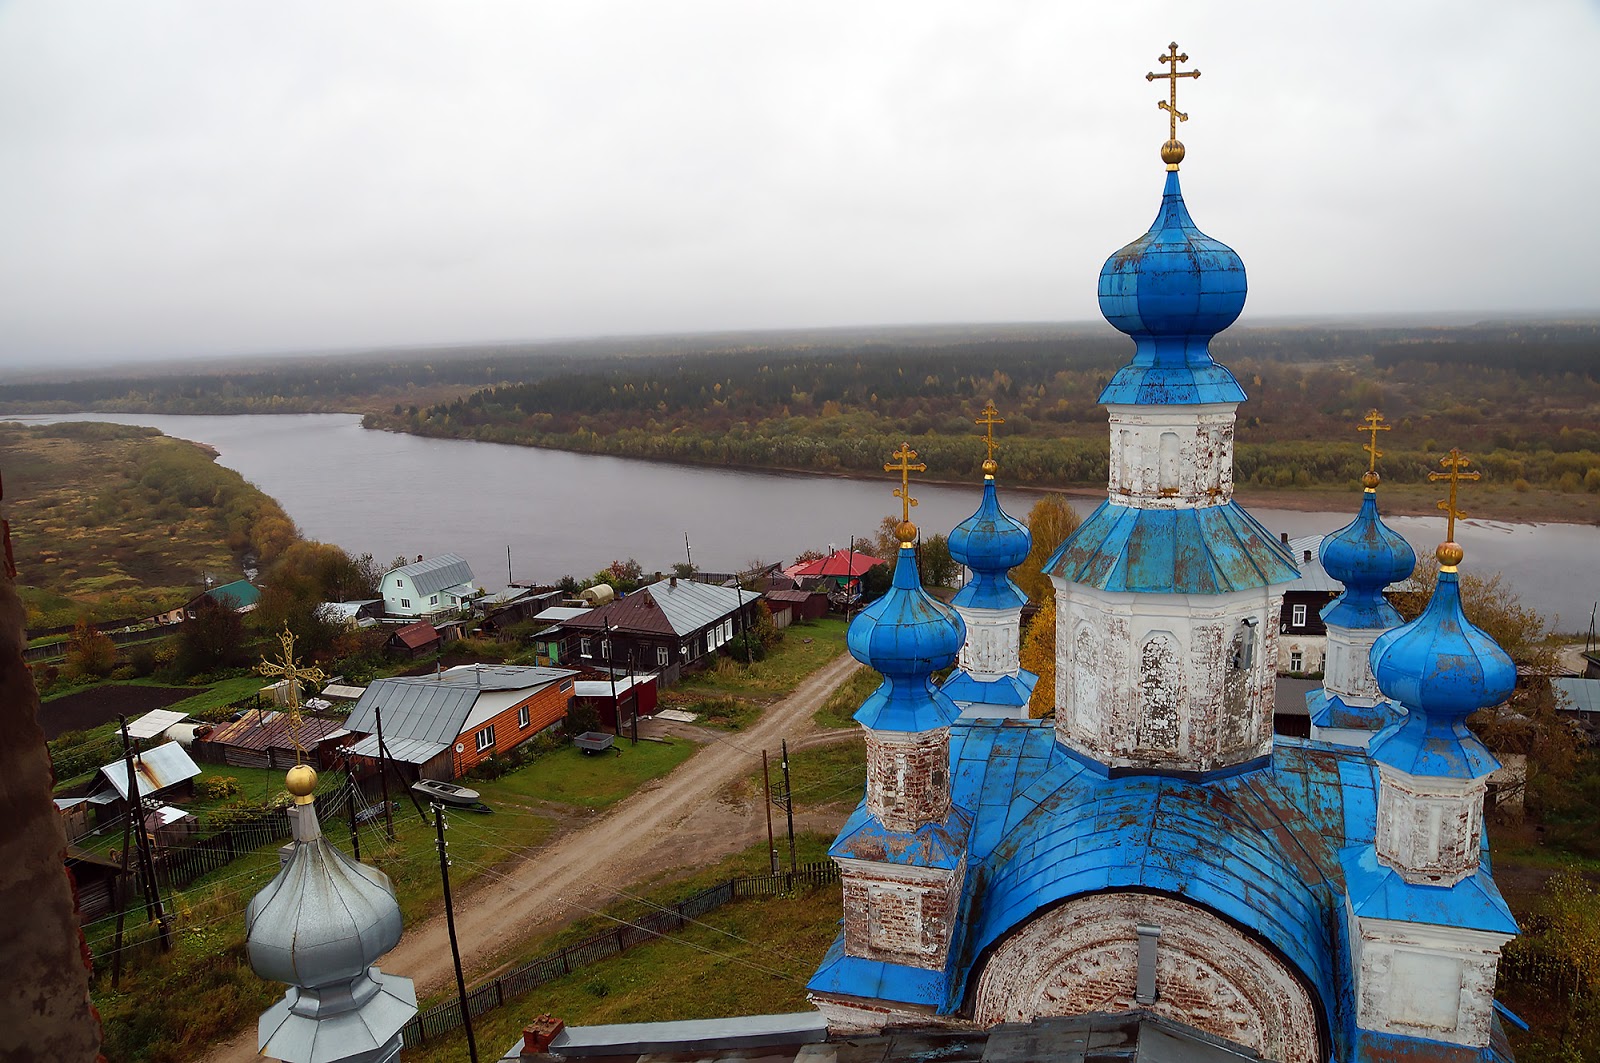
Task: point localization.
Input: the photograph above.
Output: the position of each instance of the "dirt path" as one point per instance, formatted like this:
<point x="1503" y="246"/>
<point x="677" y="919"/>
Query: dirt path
<point x="678" y="822"/>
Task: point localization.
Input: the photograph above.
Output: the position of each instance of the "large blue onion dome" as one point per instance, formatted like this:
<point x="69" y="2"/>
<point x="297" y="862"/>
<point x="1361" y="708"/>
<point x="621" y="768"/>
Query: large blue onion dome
<point x="1366" y="556"/>
<point x="991" y="543"/>
<point x="906" y="635"/>
<point x="1172" y="290"/>
<point x="1442" y="668"/>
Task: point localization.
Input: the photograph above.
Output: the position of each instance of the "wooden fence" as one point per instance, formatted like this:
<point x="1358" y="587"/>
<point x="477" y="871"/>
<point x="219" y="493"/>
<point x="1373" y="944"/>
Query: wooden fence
<point x="443" y="1018"/>
<point x="179" y="866"/>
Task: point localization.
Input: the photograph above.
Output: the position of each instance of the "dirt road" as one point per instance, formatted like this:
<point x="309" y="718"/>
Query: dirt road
<point x="679" y="821"/>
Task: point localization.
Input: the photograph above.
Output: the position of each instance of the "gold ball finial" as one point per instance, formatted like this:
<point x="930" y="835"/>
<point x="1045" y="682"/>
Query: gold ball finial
<point x="301" y="781"/>
<point x="989" y="466"/>
<point x="1172" y="153"/>
<point x="1369" y="480"/>
<point x="1450" y="554"/>
<point x="907" y="532"/>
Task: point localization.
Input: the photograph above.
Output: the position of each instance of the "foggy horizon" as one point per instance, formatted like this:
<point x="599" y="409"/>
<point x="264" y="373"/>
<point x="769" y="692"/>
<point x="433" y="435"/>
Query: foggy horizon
<point x="196" y="183"/>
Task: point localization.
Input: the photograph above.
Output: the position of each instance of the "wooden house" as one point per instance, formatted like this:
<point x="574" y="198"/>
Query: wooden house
<point x="441" y="584"/>
<point x="663" y="627"/>
<point x="442" y="726"/>
<point x="788" y="605"/>
<point x="268" y="740"/>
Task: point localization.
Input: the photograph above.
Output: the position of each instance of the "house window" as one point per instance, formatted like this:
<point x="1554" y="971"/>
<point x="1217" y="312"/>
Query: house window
<point x="1296" y="661"/>
<point x="1299" y="616"/>
<point x="485" y="738"/>
<point x="566" y="684"/>
<point x="727" y="629"/>
<point x="405" y="603"/>
<point x="434" y="600"/>
<point x="605" y="648"/>
<point x="662" y="656"/>
<point x="522" y="716"/>
<point x="583" y="647"/>
<point x="398" y="582"/>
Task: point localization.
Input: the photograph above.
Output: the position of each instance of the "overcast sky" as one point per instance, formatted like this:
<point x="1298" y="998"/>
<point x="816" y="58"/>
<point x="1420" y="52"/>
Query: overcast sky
<point x="198" y="178"/>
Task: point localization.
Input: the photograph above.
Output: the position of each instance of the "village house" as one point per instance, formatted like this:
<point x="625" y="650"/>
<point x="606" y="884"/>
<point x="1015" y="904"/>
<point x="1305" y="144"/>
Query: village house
<point x="442" y="726"/>
<point x="165" y="772"/>
<point x="834" y="572"/>
<point x="270" y="740"/>
<point x="662" y="627"/>
<point x="241" y="596"/>
<point x="427" y="587"/>
<point x="787" y="606"/>
<point x="555" y="644"/>
<point x="1303" y="640"/>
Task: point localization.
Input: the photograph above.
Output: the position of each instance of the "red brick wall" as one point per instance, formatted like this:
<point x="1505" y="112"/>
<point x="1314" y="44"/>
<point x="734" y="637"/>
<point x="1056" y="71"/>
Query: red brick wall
<point x="908" y="777"/>
<point x="893" y="916"/>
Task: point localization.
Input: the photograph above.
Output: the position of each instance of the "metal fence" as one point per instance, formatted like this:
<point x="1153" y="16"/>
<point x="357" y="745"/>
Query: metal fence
<point x="443" y="1018"/>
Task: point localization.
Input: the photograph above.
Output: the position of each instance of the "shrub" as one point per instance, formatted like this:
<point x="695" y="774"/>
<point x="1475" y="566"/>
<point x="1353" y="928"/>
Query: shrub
<point x="216" y="787"/>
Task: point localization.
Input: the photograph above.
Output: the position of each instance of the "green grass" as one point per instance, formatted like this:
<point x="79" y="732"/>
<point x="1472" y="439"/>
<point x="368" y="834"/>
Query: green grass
<point x="569" y="777"/>
<point x="805" y="647"/>
<point x="839" y="710"/>
<point x="747" y="958"/>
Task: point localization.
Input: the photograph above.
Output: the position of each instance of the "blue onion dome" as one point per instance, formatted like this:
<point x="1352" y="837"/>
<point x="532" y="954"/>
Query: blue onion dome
<point x="1366" y="556"/>
<point x="1442" y="668"/>
<point x="906" y="635"/>
<point x="991" y="543"/>
<point x="325" y="918"/>
<point x="1172" y="290"/>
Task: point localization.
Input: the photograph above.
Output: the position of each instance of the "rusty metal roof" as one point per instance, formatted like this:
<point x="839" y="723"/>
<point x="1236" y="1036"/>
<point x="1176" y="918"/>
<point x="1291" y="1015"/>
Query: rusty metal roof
<point x="158" y="768"/>
<point x="272" y="731"/>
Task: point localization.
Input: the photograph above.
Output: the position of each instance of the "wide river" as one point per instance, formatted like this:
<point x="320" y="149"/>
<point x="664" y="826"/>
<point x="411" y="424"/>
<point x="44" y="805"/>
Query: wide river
<point x="558" y="513"/>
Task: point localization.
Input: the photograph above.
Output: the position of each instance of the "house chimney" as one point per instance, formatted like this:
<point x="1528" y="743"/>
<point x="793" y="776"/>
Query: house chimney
<point x="1308" y="555"/>
<point x="419" y="556"/>
<point x="1283" y="537"/>
<point x="672" y="581"/>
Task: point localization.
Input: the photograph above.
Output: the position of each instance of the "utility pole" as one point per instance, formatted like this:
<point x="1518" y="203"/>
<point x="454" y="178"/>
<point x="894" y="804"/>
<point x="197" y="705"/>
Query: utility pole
<point x="450" y="922"/>
<point x="508" y="564"/>
<point x="788" y="803"/>
<point x="383" y="772"/>
<point x="633" y="688"/>
<point x="687" y="553"/>
<point x="147" y="867"/>
<point x="350" y="799"/>
<point x="611" y="673"/>
<point x="849" y="575"/>
<point x="122" y="881"/>
<point x="766" y="788"/>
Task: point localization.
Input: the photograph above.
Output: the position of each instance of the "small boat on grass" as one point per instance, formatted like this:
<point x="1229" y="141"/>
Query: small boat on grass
<point x="448" y="793"/>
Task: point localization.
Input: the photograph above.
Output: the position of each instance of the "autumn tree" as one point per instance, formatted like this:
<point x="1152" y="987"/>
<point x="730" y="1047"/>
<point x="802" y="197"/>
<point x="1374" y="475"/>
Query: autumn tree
<point x="1039" y="657"/>
<point x="213" y="638"/>
<point x="1050" y="521"/>
<point x="934" y="563"/>
<point x="90" y="653"/>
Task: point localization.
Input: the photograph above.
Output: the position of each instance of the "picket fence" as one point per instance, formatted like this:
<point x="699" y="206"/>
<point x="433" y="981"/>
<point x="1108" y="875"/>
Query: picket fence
<point x="443" y="1018"/>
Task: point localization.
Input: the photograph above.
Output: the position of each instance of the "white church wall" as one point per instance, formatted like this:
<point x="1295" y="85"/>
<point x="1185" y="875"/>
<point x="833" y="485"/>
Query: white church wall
<point x="1165" y="457"/>
<point x="1430" y="828"/>
<point x="993" y="644"/>
<point x="1419" y="980"/>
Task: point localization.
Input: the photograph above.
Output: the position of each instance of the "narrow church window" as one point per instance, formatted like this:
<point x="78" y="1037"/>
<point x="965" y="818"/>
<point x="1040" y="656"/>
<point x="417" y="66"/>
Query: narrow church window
<point x="1125" y="461"/>
<point x="1169" y="463"/>
<point x="1236" y="716"/>
<point x="1085" y="681"/>
<point x="1160" y="691"/>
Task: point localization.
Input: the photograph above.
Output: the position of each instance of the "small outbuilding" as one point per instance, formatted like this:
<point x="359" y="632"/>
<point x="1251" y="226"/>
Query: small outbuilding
<point x="416" y="640"/>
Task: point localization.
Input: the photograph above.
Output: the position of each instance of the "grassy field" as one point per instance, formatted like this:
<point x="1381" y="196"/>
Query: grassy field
<point x="568" y="776"/>
<point x="839" y="709"/>
<point x="731" y="695"/>
<point x="121" y="521"/>
<point x="747" y="958"/>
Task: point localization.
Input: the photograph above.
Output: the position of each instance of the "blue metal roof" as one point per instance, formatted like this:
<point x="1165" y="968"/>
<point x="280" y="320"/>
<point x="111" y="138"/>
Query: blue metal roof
<point x="1007" y="691"/>
<point x="1442" y="668"/>
<point x="990" y="543"/>
<point x="941" y="845"/>
<point x="1205" y="550"/>
<point x="1379" y="892"/>
<point x="1329" y="710"/>
<point x="1366" y="556"/>
<point x="1172" y="290"/>
<point x="906" y="635"/>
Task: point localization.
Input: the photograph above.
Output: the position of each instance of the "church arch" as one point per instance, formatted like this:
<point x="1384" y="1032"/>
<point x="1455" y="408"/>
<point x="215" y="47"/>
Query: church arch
<point x="1081" y="957"/>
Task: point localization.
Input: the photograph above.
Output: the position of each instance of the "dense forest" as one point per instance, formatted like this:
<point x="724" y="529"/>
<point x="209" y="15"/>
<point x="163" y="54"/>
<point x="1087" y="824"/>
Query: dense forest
<point x="1520" y="399"/>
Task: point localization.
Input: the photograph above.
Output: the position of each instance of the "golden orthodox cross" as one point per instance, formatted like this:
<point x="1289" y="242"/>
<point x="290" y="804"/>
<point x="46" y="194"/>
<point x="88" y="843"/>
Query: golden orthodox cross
<point x="905" y="469"/>
<point x="1454" y="463"/>
<point x="1170" y="105"/>
<point x="989" y="419"/>
<point x="1373" y="425"/>
<point x="291" y="673"/>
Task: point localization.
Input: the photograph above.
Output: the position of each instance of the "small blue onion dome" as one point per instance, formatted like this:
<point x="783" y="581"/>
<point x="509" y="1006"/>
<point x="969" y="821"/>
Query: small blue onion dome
<point x="1172" y="290"/>
<point x="1366" y="556"/>
<point x="906" y="635"/>
<point x="991" y="543"/>
<point x="1442" y="669"/>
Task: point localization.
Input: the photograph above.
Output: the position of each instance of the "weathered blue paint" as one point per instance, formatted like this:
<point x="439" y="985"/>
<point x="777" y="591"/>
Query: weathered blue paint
<point x="1172" y="290"/>
<point x="1442" y="668"/>
<point x="940" y="845"/>
<point x="1378" y="892"/>
<point x="1330" y="710"/>
<point x="1205" y="550"/>
<point x="1366" y="556"/>
<point x="990" y="542"/>
<point x="906" y="635"/>
<point x="1009" y="691"/>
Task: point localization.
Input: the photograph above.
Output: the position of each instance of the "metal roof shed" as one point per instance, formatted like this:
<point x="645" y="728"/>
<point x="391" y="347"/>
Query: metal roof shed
<point x="157" y="769"/>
